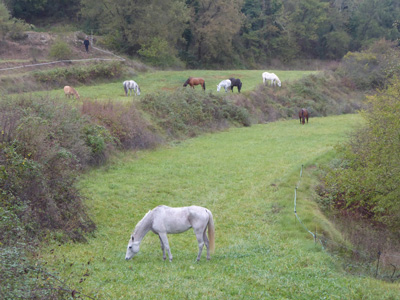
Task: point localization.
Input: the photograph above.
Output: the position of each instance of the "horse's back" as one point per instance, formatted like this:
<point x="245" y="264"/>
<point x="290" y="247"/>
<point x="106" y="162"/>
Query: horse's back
<point x="179" y="219"/>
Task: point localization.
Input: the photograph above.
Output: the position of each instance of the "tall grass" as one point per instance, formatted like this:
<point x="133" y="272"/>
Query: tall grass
<point x="246" y="177"/>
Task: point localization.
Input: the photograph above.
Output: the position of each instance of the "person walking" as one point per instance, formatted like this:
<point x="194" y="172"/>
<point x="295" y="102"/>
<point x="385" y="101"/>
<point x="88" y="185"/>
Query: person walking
<point x="86" y="43"/>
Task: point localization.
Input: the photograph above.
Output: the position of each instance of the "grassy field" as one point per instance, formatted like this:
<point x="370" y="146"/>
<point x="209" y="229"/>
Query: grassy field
<point x="158" y="81"/>
<point x="246" y="177"/>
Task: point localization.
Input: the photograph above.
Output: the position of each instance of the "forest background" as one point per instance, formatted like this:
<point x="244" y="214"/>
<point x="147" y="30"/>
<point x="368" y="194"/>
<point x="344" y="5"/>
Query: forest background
<point x="223" y="33"/>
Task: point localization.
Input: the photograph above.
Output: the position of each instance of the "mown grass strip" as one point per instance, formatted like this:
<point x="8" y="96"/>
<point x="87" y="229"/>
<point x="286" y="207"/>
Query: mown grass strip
<point x="246" y="177"/>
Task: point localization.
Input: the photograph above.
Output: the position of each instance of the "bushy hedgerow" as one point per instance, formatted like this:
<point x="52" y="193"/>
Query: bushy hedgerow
<point x="189" y="112"/>
<point x="365" y="179"/>
<point x="80" y="74"/>
<point x="124" y="122"/>
<point x="43" y="146"/>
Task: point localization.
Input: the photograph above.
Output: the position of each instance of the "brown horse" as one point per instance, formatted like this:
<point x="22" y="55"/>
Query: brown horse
<point x="303" y="116"/>
<point x="192" y="81"/>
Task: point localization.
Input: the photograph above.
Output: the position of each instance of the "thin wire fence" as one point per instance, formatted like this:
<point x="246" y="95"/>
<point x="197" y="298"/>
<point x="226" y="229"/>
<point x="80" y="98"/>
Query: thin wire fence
<point x="368" y="258"/>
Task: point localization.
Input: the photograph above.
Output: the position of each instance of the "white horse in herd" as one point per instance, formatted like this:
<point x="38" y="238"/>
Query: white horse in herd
<point x="131" y="85"/>
<point x="272" y="78"/>
<point x="226" y="84"/>
<point x="163" y="219"/>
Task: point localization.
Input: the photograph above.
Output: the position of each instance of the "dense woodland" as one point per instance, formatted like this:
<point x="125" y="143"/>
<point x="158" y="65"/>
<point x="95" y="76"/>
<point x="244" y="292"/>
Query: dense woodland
<point x="235" y="33"/>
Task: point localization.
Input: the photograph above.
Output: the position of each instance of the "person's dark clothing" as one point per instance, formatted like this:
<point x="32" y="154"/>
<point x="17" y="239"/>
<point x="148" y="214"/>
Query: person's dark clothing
<point x="86" y="43"/>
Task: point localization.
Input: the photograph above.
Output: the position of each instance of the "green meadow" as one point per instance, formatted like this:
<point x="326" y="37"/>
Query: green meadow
<point x="246" y="177"/>
<point x="161" y="81"/>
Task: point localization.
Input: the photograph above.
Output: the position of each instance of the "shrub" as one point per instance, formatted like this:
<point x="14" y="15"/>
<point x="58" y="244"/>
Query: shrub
<point x="366" y="179"/>
<point x="188" y="112"/>
<point x="371" y="68"/>
<point x="60" y="50"/>
<point x="42" y="147"/>
<point x="128" y="129"/>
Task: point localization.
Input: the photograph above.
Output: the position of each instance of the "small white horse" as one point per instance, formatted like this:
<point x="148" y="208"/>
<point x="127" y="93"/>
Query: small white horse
<point x="163" y="219"/>
<point x="131" y="85"/>
<point x="226" y="84"/>
<point x="271" y="77"/>
<point x="70" y="91"/>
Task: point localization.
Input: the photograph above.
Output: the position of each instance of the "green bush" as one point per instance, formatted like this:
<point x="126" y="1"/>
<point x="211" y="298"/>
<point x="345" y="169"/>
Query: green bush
<point x="189" y="112"/>
<point x="42" y="147"/>
<point x="60" y="50"/>
<point x="366" y="181"/>
<point x="123" y="122"/>
<point x="371" y="68"/>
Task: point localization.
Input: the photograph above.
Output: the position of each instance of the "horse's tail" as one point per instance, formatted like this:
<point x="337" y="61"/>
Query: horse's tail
<point x="211" y="231"/>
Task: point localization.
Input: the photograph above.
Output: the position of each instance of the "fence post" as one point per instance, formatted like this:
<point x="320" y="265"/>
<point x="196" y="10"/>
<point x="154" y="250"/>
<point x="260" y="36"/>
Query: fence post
<point x="377" y="264"/>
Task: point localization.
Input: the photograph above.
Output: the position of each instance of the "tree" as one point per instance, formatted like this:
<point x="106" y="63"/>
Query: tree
<point x="5" y="21"/>
<point x="368" y="179"/>
<point x="373" y="20"/>
<point x="213" y="25"/>
<point x="263" y="33"/>
<point x="306" y="19"/>
<point x="132" y="25"/>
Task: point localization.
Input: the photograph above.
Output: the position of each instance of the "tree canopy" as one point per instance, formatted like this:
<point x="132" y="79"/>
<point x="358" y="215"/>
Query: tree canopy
<point x="226" y="33"/>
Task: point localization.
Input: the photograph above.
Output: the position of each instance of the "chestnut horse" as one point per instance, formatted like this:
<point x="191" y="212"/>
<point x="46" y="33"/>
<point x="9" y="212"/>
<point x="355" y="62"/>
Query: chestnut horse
<point x="303" y="116"/>
<point x="192" y="81"/>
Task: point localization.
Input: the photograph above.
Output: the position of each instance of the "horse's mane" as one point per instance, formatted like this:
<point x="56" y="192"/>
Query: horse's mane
<point x="140" y="222"/>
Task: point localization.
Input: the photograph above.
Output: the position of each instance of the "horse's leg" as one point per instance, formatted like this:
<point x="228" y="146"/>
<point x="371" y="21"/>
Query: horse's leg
<point x="200" y="241"/>
<point x="164" y="240"/>
<point x="162" y="248"/>
<point x="207" y="242"/>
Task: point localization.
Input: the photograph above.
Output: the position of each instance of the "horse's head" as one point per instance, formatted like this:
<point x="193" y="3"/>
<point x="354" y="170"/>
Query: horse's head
<point x="187" y="82"/>
<point x="218" y="87"/>
<point x="132" y="249"/>
<point x="279" y="83"/>
<point x="138" y="91"/>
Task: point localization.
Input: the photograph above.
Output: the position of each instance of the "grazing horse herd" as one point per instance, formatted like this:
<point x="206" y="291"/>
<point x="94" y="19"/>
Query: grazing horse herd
<point x="130" y="85"/>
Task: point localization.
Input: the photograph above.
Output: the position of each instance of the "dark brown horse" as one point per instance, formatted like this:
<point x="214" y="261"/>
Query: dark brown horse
<point x="303" y="116"/>
<point x="236" y="82"/>
<point x="192" y="81"/>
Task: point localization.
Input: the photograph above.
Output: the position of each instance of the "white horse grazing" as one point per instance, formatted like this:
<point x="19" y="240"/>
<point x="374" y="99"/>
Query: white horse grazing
<point x="163" y="219"/>
<point x="70" y="91"/>
<point x="226" y="84"/>
<point x="131" y="85"/>
<point x="271" y="77"/>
